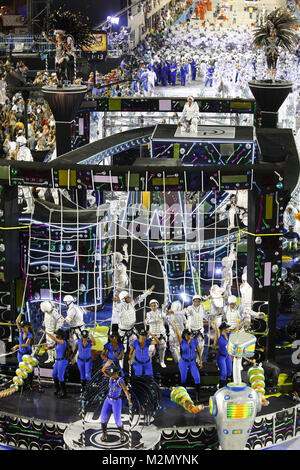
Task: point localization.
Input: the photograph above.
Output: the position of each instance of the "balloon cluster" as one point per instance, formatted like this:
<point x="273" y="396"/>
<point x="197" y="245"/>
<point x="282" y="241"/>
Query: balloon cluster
<point x="180" y="396"/>
<point x="25" y="367"/>
<point x="256" y="378"/>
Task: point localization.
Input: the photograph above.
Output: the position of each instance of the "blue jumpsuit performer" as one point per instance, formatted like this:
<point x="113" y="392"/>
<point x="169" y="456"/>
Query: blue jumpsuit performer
<point x="113" y="401"/>
<point x="63" y="355"/>
<point x="164" y="74"/>
<point x="84" y="360"/>
<point x="224" y="360"/>
<point x="194" y="69"/>
<point x="182" y="75"/>
<point x="26" y="339"/>
<point x="141" y="362"/>
<point x="173" y="73"/>
<point x="113" y="351"/>
<point x="209" y="75"/>
<point x="187" y="362"/>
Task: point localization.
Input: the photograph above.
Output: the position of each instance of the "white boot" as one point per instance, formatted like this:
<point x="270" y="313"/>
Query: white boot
<point x="50" y="356"/>
<point x="162" y="357"/>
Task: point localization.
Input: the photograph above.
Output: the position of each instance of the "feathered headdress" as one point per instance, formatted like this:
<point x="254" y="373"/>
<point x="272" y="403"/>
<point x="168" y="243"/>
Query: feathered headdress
<point x="144" y="391"/>
<point x="283" y="23"/>
<point x="74" y="25"/>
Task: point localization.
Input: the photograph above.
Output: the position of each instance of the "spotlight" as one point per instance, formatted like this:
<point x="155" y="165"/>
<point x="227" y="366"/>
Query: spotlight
<point x="184" y="297"/>
<point x="114" y="20"/>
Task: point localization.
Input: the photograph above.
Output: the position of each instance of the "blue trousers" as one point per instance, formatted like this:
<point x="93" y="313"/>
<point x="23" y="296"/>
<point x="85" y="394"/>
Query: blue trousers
<point x="208" y="80"/>
<point x="142" y="369"/>
<point x="182" y="80"/>
<point x="183" y="369"/>
<point x="194" y="71"/>
<point x="20" y="355"/>
<point x="59" y="370"/>
<point x="225" y="366"/>
<point x="85" y="369"/>
<point x="164" y="79"/>
<point x="114" y="406"/>
<point x="173" y="78"/>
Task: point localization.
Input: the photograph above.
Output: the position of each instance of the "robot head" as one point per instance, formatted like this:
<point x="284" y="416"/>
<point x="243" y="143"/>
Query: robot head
<point x="68" y="299"/>
<point x="123" y="295"/>
<point x="46" y="306"/>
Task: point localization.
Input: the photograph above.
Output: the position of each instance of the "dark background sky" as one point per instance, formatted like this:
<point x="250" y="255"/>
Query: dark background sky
<point x="96" y="10"/>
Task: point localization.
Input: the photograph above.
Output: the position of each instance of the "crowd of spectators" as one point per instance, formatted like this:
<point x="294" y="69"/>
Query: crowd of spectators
<point x="40" y="124"/>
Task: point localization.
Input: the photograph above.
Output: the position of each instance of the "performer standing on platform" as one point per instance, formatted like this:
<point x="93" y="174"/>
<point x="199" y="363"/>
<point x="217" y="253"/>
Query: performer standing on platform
<point x="113" y="351"/>
<point x="26" y="337"/>
<point x="173" y="72"/>
<point x="209" y="75"/>
<point x="177" y="315"/>
<point x="193" y="69"/>
<point x="195" y="314"/>
<point x="84" y="360"/>
<point x="62" y="52"/>
<point x="155" y="322"/>
<point x="74" y="318"/>
<point x="224" y="361"/>
<point x="120" y="276"/>
<point x="187" y="362"/>
<point x="63" y="355"/>
<point x="190" y="116"/>
<point x="51" y="320"/>
<point x="113" y="401"/>
<point x="140" y="348"/>
<point x="164" y="73"/>
<point x="182" y="75"/>
<point x="246" y="302"/>
<point x="227" y="272"/>
<point x="233" y="314"/>
<point x="26" y="341"/>
<point x="125" y="309"/>
<point x="216" y="303"/>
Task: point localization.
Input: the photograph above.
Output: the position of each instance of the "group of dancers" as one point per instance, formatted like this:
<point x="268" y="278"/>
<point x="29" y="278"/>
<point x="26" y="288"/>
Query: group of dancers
<point x="132" y="347"/>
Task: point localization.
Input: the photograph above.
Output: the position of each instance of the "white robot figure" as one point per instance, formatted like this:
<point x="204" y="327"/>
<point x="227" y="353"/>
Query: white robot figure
<point x="124" y="314"/>
<point x="74" y="318"/>
<point x="237" y="208"/>
<point x="155" y="320"/>
<point x="217" y="303"/>
<point x="175" y="314"/>
<point x="233" y="316"/>
<point x="227" y="274"/>
<point x="246" y="302"/>
<point x="52" y="321"/>
<point x="195" y="314"/>
<point x="190" y="116"/>
<point x="24" y="154"/>
<point x="216" y="309"/>
<point x="120" y="279"/>
<point x="235" y="406"/>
